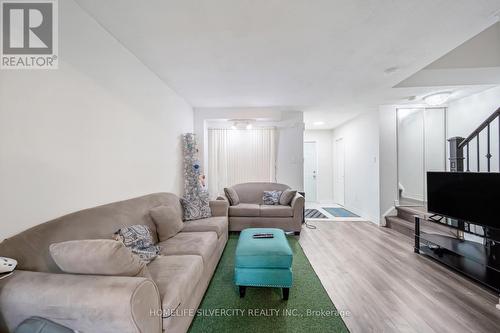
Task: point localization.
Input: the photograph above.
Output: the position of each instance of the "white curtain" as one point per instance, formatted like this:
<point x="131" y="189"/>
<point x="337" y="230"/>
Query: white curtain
<point x="238" y="156"/>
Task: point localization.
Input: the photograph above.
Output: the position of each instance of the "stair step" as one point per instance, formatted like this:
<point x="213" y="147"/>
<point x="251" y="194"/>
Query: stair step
<point x="408" y="213"/>
<point x="400" y="225"/>
<point x="407" y="228"/>
<point x="413" y="209"/>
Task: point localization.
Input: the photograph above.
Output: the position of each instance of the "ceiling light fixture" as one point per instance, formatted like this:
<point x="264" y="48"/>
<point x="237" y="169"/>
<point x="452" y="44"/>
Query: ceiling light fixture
<point x="241" y="124"/>
<point x="318" y="123"/>
<point x="437" y="98"/>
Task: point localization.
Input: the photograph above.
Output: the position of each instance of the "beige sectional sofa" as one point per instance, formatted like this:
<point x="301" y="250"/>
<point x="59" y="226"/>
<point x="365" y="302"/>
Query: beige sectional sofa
<point x="252" y="213"/>
<point x="92" y="303"/>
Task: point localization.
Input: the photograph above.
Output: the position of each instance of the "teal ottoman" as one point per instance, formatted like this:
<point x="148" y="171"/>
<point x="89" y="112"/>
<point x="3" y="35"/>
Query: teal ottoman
<point x="263" y="262"/>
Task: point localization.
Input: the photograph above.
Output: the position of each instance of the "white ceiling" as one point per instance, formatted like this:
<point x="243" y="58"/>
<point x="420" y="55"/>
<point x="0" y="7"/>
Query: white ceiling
<point x="326" y="57"/>
<point x="475" y="62"/>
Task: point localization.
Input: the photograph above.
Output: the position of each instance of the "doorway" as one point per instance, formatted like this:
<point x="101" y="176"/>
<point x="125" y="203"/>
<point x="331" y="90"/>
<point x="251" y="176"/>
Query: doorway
<point x="339" y="174"/>
<point x="310" y="171"/>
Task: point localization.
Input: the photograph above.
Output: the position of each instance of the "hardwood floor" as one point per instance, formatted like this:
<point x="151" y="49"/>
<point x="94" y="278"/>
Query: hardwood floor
<point x="372" y="273"/>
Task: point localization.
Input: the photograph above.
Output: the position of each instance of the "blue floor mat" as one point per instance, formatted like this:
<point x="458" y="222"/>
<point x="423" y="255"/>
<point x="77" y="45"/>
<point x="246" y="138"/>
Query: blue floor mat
<point x="339" y="212"/>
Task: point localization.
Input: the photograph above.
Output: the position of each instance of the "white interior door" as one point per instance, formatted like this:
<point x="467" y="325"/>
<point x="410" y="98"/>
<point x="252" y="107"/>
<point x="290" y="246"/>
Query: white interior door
<point x="411" y="149"/>
<point x="310" y="170"/>
<point x="339" y="177"/>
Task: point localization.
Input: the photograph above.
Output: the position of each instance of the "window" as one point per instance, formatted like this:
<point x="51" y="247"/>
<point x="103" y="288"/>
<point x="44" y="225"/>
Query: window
<point x="237" y="156"/>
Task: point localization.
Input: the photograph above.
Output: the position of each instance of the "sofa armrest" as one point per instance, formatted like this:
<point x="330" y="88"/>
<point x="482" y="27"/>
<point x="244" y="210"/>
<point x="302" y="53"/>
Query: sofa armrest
<point x="219" y="207"/>
<point x="298" y="203"/>
<point x="86" y="303"/>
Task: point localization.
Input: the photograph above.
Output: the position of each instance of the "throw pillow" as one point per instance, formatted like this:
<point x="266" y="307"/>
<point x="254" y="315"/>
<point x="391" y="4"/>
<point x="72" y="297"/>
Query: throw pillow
<point x="287" y="197"/>
<point x="139" y="240"/>
<point x="271" y="197"/>
<point x="97" y="257"/>
<point x="167" y="220"/>
<point x="231" y="196"/>
<point x="195" y="209"/>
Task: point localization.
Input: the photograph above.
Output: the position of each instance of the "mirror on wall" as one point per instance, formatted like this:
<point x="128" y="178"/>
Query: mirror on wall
<point x="421" y="148"/>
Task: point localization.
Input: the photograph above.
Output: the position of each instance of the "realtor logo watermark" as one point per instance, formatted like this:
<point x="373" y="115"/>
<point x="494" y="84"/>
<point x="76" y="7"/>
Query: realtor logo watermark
<point x="29" y="34"/>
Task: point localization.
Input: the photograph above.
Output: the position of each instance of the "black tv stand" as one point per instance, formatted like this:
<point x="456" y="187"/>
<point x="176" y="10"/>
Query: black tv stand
<point x="475" y="255"/>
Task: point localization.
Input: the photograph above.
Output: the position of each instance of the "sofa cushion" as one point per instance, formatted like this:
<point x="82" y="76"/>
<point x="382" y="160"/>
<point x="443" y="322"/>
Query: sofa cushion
<point x="135" y="236"/>
<point x="287" y="197"/>
<point x="96" y="257"/>
<point x="31" y="247"/>
<point x="198" y="243"/>
<point x="231" y="196"/>
<point x="168" y="221"/>
<point x="218" y="224"/>
<point x="196" y="206"/>
<point x="176" y="278"/>
<point x="271" y="197"/>
<point x="139" y="240"/>
<point x="276" y="211"/>
<point x="244" y="209"/>
<point x="252" y="192"/>
<point x="41" y="325"/>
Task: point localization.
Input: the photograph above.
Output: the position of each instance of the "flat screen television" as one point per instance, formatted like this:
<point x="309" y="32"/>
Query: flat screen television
<point x="470" y="196"/>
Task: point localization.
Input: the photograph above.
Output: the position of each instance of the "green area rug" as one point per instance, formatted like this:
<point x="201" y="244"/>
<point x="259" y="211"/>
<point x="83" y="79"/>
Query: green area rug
<point x="309" y="309"/>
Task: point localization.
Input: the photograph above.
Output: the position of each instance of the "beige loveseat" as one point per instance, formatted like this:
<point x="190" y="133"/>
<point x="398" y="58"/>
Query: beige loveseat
<point x="252" y="213"/>
<point x="91" y="303"/>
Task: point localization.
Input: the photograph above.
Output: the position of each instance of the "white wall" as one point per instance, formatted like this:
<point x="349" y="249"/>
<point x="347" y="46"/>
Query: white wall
<point x="466" y="114"/>
<point x="324" y="149"/>
<point x="100" y="128"/>
<point x="388" y="172"/>
<point x="290" y="137"/>
<point x="361" y="140"/>
<point x="290" y="152"/>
